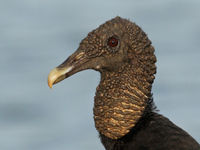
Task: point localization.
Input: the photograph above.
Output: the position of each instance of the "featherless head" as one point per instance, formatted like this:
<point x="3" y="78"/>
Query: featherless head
<point x="122" y="52"/>
<point x="107" y="48"/>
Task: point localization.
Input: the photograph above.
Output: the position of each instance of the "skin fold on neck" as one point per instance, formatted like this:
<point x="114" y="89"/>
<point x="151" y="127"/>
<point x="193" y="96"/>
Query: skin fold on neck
<point x="120" y="101"/>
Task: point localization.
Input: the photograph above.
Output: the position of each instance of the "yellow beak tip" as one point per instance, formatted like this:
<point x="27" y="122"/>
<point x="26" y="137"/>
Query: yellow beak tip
<point x="50" y="85"/>
<point x="53" y="75"/>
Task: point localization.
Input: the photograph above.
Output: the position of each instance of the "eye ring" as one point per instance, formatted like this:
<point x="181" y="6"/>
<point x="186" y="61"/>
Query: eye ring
<point x="112" y="41"/>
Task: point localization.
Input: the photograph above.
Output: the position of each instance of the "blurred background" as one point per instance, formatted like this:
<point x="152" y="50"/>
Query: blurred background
<point x="37" y="35"/>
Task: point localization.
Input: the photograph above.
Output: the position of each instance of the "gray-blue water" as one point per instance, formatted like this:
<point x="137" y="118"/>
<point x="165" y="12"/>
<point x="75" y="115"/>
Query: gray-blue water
<point x="37" y="35"/>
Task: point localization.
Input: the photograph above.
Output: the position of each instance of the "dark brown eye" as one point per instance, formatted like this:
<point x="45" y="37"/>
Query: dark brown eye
<point x="112" y="41"/>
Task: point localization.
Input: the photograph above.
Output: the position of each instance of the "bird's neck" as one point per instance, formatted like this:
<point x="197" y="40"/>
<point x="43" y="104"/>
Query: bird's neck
<point x="120" y="101"/>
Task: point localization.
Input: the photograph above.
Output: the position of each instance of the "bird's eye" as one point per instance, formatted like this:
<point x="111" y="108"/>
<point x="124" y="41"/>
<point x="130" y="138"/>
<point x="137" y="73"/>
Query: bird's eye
<point x="112" y="41"/>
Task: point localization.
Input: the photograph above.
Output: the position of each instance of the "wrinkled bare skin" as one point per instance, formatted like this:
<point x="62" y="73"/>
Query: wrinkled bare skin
<point x="124" y="56"/>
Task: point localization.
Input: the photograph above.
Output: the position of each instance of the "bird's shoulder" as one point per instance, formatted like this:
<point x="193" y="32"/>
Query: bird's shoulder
<point x="156" y="132"/>
<point x="153" y="132"/>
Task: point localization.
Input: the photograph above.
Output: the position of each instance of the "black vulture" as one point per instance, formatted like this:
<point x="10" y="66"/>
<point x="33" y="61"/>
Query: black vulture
<point x="124" y="112"/>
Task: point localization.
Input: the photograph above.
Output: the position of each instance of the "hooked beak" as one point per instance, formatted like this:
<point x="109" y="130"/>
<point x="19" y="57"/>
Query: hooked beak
<point x="75" y="63"/>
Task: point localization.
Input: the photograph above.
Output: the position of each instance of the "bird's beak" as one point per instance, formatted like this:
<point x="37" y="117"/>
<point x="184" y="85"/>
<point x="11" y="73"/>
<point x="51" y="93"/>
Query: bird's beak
<point x="75" y="63"/>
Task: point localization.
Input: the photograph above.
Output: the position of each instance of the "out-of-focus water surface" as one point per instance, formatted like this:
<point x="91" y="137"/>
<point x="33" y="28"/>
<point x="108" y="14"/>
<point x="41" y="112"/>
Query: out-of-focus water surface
<point x="36" y="36"/>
